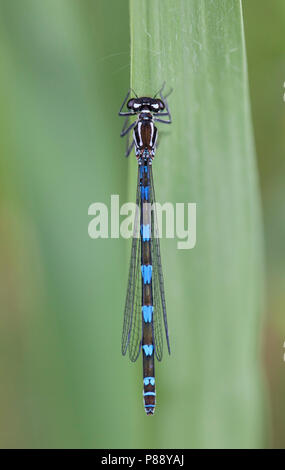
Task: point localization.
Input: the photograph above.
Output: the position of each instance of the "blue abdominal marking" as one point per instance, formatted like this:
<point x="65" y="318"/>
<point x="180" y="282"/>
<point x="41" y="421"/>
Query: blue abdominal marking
<point x="145" y="192"/>
<point x="147" y="311"/>
<point x="143" y="169"/>
<point x="149" y="393"/>
<point x="149" y="406"/>
<point x="149" y="380"/>
<point x="145" y="231"/>
<point x="146" y="273"/>
<point x="148" y="349"/>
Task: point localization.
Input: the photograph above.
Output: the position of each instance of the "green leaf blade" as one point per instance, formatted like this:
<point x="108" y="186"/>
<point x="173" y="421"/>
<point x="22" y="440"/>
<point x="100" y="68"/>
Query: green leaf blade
<point x="210" y="390"/>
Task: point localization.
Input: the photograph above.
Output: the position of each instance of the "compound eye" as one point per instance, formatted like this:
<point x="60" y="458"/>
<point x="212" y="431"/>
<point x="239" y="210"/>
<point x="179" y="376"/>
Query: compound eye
<point x="130" y="103"/>
<point x="161" y="105"/>
<point x="155" y="107"/>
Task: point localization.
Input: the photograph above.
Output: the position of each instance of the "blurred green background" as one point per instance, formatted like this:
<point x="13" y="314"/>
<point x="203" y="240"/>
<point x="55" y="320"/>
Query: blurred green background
<point x="264" y="33"/>
<point x="65" y="66"/>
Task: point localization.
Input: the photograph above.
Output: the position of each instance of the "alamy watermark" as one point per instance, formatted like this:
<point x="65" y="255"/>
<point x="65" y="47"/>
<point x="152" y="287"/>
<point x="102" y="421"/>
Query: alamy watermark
<point x="170" y="221"/>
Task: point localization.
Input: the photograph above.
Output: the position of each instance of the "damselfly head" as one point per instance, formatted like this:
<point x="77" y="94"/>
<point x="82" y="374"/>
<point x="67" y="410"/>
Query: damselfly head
<point x="154" y="105"/>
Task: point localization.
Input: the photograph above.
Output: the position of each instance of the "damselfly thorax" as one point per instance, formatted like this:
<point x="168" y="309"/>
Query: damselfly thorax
<point x="145" y="135"/>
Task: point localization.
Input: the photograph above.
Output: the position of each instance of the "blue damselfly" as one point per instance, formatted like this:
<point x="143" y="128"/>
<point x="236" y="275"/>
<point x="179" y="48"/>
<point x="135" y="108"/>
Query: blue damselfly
<point x="145" y="310"/>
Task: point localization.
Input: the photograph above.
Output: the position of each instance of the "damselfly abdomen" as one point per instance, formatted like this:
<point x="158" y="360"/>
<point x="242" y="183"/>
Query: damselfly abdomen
<point x="145" y="310"/>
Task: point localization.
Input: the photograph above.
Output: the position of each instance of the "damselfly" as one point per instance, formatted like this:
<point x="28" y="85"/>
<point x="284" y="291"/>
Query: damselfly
<point x="145" y="310"/>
